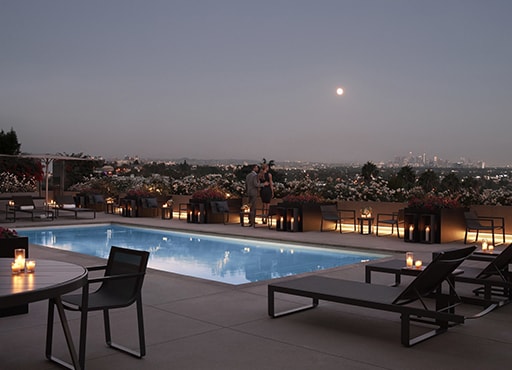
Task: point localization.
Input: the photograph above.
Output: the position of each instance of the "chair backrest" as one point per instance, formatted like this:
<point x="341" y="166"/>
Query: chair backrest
<point x="125" y="261"/>
<point x="433" y="275"/>
<point x="23" y="200"/>
<point x="329" y="211"/>
<point x="499" y="264"/>
<point x="401" y="215"/>
<point x="64" y="199"/>
<point x="220" y="206"/>
<point x="471" y="219"/>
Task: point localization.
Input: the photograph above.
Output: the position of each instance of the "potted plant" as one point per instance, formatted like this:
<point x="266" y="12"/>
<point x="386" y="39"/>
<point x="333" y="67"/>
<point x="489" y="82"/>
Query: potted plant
<point x="431" y="218"/>
<point x="201" y="208"/>
<point x="9" y="241"/>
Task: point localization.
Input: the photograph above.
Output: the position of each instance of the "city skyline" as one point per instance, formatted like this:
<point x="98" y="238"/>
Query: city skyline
<point x="244" y="79"/>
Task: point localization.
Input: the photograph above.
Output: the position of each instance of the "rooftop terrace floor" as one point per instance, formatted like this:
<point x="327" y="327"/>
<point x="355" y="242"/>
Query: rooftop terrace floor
<point x="198" y="324"/>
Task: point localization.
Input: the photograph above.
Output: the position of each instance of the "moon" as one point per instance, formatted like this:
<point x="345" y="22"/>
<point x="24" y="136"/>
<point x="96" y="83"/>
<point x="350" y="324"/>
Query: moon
<point x="339" y="91"/>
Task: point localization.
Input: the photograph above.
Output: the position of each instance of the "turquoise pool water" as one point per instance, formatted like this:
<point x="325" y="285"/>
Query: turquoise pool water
<point x="224" y="259"/>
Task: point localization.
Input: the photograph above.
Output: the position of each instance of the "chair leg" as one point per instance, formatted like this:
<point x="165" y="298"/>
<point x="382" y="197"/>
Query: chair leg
<point x="466" y="237"/>
<point x="140" y="326"/>
<point x="77" y="360"/>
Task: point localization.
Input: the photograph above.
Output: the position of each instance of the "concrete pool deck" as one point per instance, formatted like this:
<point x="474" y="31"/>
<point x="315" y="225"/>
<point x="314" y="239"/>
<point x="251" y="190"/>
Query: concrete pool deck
<point x="199" y="324"/>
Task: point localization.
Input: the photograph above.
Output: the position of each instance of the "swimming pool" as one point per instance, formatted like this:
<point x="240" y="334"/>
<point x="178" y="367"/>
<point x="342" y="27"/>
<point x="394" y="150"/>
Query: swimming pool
<point x="224" y="259"/>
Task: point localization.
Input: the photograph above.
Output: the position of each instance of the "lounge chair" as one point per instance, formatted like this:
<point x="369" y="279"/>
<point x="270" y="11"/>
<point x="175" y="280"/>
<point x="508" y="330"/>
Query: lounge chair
<point x="25" y="204"/>
<point x="394" y="299"/>
<point x="495" y="278"/>
<point x="66" y="203"/>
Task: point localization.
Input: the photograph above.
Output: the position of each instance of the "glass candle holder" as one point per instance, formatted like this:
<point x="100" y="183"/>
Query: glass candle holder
<point x="15" y="268"/>
<point x="30" y="266"/>
<point x="19" y="257"/>
<point x="409" y="259"/>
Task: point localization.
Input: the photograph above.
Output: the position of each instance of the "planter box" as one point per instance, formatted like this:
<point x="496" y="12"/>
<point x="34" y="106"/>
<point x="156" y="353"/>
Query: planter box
<point x="299" y="216"/>
<point x="7" y="247"/>
<point x="440" y="226"/>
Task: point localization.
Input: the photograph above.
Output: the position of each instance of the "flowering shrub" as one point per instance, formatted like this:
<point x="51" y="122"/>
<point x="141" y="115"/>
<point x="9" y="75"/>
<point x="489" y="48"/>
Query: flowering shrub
<point x="209" y="194"/>
<point x="433" y="202"/>
<point x="304" y="198"/>
<point x="6" y="233"/>
<point x="11" y="183"/>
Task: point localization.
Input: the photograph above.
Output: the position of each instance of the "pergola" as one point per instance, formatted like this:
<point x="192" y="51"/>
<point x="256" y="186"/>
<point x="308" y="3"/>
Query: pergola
<point x="47" y="159"/>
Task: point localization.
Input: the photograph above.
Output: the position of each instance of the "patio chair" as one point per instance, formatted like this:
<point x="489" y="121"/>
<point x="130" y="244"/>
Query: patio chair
<point x="66" y="203"/>
<point x="121" y="286"/>
<point x="441" y="315"/>
<point x="333" y="214"/>
<point x="393" y="219"/>
<point x="483" y="223"/>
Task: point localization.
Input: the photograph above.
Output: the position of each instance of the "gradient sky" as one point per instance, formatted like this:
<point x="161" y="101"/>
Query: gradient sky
<point x="256" y="79"/>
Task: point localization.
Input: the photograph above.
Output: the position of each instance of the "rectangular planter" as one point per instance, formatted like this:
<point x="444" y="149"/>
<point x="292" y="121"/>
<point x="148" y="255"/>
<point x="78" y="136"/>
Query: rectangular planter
<point x="7" y="247"/>
<point x="440" y="226"/>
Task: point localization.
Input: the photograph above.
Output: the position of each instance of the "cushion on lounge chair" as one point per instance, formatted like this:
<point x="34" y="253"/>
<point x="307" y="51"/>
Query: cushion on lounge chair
<point x="67" y="206"/>
<point x="26" y="208"/>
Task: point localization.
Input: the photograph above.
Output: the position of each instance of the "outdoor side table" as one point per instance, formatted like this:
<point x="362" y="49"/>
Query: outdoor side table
<point x="365" y="221"/>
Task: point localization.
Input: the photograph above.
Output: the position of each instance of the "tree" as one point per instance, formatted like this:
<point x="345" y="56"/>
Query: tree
<point x="9" y="143"/>
<point x="451" y="182"/>
<point x="369" y="171"/>
<point x="19" y="167"/>
<point x="429" y="181"/>
<point x="408" y="177"/>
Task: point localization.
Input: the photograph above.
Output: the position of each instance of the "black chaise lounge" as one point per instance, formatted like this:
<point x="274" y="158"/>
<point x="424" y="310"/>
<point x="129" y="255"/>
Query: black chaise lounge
<point x="394" y="299"/>
<point x="25" y="204"/>
<point x="494" y="279"/>
<point x="67" y="204"/>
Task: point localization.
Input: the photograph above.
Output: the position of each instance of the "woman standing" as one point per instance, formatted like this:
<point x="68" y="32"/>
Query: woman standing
<point x="267" y="191"/>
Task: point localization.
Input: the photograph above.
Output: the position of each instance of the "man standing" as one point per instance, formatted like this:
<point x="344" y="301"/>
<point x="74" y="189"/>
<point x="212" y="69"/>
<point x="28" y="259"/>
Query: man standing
<point x="252" y="183"/>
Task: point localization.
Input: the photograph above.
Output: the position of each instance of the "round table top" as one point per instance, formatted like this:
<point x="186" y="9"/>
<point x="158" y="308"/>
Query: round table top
<point x="50" y="279"/>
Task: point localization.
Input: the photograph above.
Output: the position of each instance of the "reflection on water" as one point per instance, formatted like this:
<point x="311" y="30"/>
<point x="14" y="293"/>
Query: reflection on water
<point x="232" y="261"/>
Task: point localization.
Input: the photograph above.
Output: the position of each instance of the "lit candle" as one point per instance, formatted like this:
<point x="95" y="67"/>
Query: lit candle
<point x="291" y="224"/>
<point x="19" y="257"/>
<point x="418" y="264"/>
<point x="427" y="233"/>
<point x="30" y="266"/>
<point x="409" y="258"/>
<point x="484" y="245"/>
<point x="15" y="267"/>
<point x="282" y="223"/>
<point x="411" y="232"/>
<point x="491" y="248"/>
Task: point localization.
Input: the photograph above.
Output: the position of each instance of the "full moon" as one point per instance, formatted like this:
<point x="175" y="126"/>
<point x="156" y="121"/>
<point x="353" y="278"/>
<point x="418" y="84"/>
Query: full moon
<point x="339" y="91"/>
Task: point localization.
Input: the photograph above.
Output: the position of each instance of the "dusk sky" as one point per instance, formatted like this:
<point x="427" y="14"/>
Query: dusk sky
<point x="257" y="79"/>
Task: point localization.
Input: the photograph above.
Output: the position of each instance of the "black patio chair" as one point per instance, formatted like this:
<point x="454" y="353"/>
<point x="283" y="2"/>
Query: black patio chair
<point x="393" y="219"/>
<point x="121" y="286"/>
<point x="483" y="223"/>
<point x="332" y="213"/>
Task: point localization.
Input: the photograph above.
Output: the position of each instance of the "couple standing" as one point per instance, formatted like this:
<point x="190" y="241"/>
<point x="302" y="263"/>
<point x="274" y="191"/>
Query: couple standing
<point x="255" y="181"/>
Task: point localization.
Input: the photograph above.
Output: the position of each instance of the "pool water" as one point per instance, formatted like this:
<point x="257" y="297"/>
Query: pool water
<point x="224" y="259"/>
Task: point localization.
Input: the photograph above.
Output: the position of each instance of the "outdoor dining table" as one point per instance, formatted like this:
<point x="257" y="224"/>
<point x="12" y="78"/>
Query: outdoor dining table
<point x="50" y="280"/>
